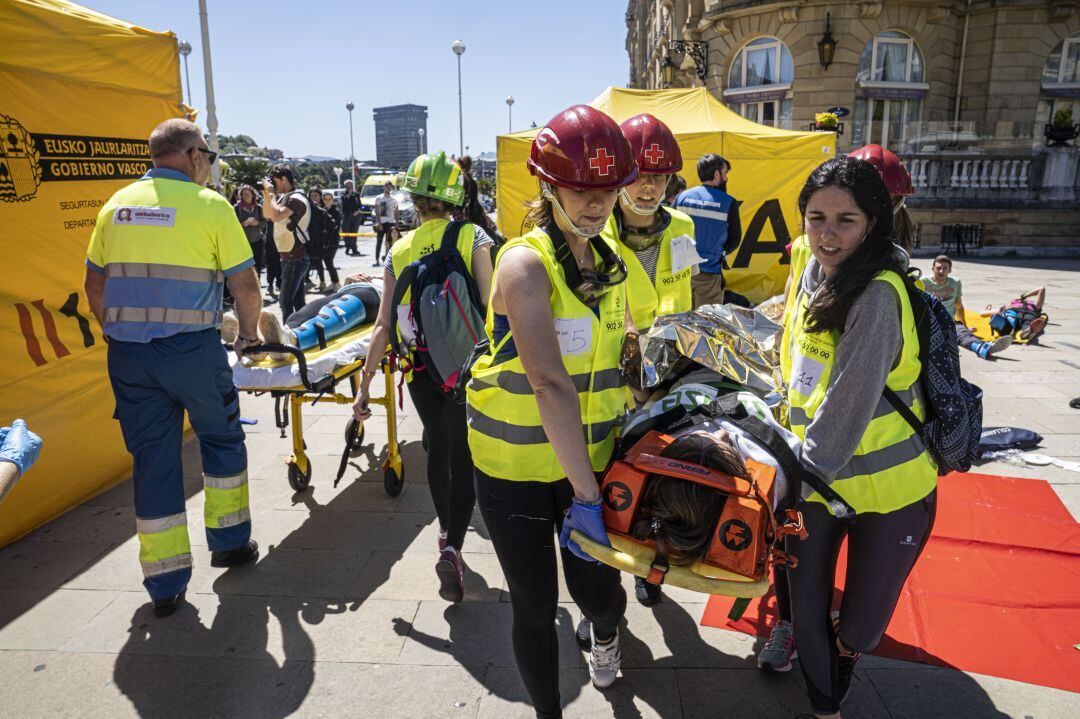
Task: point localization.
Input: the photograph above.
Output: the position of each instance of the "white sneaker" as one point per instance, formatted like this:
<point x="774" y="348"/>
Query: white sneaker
<point x="604" y="661"/>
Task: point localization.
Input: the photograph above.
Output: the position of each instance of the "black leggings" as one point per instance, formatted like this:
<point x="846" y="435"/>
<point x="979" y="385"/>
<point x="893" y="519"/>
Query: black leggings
<point x="882" y="549"/>
<point x="523" y="519"/>
<point x="449" y="461"/>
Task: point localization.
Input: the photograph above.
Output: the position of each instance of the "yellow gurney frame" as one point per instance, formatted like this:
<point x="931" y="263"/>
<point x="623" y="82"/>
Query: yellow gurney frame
<point x="325" y="389"/>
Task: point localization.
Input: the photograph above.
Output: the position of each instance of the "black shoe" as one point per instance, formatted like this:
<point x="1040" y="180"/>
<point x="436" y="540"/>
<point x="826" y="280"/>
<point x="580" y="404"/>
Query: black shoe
<point x="584" y="635"/>
<point x="647" y="594"/>
<point x="165" y="607"/>
<point x="235" y="557"/>
<point x="844" y="672"/>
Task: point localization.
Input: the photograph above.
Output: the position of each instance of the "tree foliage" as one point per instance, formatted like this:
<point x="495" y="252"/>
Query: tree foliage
<point x="248" y="172"/>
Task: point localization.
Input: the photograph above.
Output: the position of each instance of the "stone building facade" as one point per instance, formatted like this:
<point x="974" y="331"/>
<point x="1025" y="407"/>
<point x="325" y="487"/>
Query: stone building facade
<point x="961" y="90"/>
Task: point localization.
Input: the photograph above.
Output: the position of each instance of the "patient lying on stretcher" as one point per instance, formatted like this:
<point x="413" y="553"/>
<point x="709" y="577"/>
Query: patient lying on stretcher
<point x="317" y="322"/>
<point x="683" y="512"/>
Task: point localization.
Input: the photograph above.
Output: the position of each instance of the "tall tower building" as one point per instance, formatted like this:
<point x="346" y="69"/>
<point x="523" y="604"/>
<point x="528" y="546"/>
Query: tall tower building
<point x="397" y="134"/>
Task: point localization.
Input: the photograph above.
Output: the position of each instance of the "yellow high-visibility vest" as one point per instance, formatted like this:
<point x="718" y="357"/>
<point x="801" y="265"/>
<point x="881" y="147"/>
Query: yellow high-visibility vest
<point x="891" y="467"/>
<point x="670" y="292"/>
<point x="506" y="435"/>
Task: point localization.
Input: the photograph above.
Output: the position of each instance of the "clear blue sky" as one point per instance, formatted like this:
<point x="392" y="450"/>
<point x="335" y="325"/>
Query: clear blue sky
<point x="283" y="71"/>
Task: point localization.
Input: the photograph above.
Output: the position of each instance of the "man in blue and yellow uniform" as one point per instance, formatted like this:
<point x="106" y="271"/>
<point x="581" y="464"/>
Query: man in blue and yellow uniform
<point x="156" y="268"/>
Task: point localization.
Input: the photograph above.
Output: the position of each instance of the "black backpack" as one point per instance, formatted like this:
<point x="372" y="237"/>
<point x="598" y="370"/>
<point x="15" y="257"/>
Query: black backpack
<point x="953" y="406"/>
<point x="446" y="308"/>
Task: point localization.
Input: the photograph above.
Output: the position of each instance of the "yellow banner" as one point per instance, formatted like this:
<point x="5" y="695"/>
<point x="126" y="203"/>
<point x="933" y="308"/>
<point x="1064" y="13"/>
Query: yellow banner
<point x="66" y="144"/>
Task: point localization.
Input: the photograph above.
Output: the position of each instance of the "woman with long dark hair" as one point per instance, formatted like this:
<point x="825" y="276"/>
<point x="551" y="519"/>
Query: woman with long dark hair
<point x="849" y="334"/>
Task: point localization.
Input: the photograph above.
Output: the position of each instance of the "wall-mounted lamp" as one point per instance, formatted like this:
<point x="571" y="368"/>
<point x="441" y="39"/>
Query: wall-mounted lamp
<point x="826" y="46"/>
<point x="667" y="71"/>
<point x="698" y="52"/>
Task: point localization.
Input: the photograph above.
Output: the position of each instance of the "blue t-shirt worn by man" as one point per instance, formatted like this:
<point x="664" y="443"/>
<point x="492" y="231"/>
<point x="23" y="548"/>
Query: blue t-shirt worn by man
<point x="716" y="220"/>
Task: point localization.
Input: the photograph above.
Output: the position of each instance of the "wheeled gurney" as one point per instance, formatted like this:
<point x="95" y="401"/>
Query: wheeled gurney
<point x="315" y="376"/>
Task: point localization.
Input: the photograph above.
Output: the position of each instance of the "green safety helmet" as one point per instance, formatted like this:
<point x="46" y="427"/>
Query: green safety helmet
<point x="435" y="176"/>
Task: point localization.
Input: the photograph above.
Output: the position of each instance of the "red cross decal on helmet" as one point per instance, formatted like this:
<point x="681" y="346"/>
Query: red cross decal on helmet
<point x="654" y="154"/>
<point x="602" y="162"/>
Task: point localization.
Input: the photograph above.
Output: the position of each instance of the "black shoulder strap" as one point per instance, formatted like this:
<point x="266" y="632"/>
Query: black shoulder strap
<point x="404" y="282"/>
<point x="729" y="406"/>
<point x="450" y="235"/>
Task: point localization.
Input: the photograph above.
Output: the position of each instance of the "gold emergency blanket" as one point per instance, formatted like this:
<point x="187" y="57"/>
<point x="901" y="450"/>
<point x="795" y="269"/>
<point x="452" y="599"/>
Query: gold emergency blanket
<point x="740" y="344"/>
<point x="79" y="94"/>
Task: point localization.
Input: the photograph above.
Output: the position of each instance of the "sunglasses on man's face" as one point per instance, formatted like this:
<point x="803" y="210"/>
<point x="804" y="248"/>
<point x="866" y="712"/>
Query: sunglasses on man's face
<point x="210" y="154"/>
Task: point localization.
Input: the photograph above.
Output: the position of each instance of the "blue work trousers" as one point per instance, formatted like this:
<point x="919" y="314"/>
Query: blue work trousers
<point x="154" y="383"/>
<point x="293" y="275"/>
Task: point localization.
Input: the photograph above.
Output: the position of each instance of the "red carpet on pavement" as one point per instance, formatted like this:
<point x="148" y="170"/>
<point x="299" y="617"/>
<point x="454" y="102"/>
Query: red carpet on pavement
<point x="996" y="591"/>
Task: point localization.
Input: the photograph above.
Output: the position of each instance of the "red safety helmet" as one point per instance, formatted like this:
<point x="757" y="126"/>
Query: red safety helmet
<point x="654" y="145"/>
<point x="581" y="148"/>
<point x="888" y="165"/>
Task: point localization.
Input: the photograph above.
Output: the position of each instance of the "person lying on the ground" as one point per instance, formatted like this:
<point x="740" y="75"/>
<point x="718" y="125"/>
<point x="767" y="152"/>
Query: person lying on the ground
<point x="19" y="449"/>
<point x="1022" y="318"/>
<point x="317" y="322"/>
<point x="948" y="290"/>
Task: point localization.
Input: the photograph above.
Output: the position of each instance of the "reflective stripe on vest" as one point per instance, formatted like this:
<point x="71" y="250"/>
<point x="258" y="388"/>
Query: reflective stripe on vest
<point x="226" y="500"/>
<point x="162" y="315"/>
<point x="670" y="292"/>
<point x="890" y="468"/>
<point x="150" y="270"/>
<point x="163" y="544"/>
<point x="506" y="435"/>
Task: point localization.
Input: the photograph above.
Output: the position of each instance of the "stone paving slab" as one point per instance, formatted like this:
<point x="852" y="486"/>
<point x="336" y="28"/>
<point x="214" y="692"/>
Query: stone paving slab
<point x="341" y="615"/>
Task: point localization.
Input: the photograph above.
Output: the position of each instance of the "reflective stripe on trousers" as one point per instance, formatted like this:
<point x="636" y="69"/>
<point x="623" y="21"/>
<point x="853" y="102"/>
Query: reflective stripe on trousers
<point x="226" y="500"/>
<point x="163" y="544"/>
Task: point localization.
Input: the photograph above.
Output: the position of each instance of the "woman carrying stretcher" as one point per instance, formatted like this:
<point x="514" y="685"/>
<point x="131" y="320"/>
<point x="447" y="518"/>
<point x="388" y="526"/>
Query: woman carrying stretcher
<point x="545" y="401"/>
<point x="849" y="333"/>
<point x="436" y="186"/>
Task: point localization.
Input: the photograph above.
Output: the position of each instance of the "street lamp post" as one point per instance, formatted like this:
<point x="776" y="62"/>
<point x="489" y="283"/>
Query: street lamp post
<point x="352" y="150"/>
<point x="459" y="49"/>
<point x="509" y="113"/>
<point x="338" y="171"/>
<point x="420" y="132"/>
<point x="185" y="50"/>
<point x="211" y="108"/>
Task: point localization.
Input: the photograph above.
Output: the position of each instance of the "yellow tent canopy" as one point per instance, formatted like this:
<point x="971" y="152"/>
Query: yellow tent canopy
<point x="79" y="94"/>
<point x="769" y="167"/>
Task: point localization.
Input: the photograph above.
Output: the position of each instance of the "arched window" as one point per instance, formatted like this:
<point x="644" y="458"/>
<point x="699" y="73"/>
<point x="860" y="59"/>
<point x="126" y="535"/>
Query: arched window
<point x="889" y="91"/>
<point x="1060" y="82"/>
<point x="759" y="82"/>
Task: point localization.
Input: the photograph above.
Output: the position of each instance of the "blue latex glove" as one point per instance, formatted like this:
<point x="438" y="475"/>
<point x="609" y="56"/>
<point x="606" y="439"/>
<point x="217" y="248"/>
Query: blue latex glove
<point x="587" y="519"/>
<point x="20" y="446"/>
